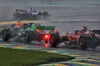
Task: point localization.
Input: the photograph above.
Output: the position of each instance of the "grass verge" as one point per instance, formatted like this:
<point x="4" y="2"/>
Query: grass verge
<point x="15" y="57"/>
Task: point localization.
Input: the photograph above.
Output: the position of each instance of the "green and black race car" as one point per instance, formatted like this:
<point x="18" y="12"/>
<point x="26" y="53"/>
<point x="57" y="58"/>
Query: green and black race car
<point x="32" y="32"/>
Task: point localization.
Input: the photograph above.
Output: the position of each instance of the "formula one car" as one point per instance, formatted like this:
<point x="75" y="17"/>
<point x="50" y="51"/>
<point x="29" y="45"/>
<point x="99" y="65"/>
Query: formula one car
<point x="83" y="38"/>
<point x="30" y="14"/>
<point x="12" y="32"/>
<point x="45" y="33"/>
<point x="32" y="32"/>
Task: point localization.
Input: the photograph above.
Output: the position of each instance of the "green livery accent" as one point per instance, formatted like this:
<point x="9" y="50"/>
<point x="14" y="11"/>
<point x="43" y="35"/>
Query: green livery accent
<point x="28" y="29"/>
<point x="52" y="31"/>
<point x="26" y="36"/>
<point x="45" y="27"/>
<point x="4" y="34"/>
<point x="32" y="27"/>
<point x="20" y="30"/>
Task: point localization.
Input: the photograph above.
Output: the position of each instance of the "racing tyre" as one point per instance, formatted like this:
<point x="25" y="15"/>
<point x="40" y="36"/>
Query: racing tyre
<point x="6" y="35"/>
<point x="28" y="36"/>
<point x="83" y="42"/>
<point x="54" y="40"/>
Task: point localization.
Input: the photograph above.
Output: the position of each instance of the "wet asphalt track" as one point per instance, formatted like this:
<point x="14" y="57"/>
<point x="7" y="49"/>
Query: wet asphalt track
<point x="66" y="19"/>
<point x="88" y="57"/>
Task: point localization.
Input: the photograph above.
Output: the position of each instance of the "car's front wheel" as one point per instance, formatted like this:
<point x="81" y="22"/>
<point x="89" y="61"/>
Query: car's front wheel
<point x="6" y="35"/>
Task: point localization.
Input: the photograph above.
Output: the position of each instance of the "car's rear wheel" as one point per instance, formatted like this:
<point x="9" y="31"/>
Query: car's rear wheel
<point x="54" y="40"/>
<point x="83" y="44"/>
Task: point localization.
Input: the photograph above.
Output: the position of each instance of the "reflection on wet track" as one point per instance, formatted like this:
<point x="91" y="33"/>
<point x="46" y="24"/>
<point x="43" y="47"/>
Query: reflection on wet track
<point x="89" y="57"/>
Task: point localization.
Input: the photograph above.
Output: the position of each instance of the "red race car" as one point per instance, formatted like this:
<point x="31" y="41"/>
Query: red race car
<point x="82" y="38"/>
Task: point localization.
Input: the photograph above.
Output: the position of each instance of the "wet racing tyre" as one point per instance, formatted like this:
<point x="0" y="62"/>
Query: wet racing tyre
<point x="6" y="35"/>
<point x="54" y="40"/>
<point x="83" y="44"/>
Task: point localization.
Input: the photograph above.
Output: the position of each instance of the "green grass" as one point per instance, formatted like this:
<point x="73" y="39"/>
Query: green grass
<point x="15" y="57"/>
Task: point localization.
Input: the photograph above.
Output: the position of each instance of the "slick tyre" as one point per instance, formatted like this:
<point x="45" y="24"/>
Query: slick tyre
<point x="54" y="40"/>
<point x="83" y="44"/>
<point x="6" y="35"/>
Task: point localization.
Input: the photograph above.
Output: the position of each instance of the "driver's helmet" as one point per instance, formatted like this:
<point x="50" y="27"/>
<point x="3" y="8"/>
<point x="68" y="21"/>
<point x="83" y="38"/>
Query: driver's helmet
<point x="29" y="9"/>
<point x="76" y="31"/>
<point x="33" y="10"/>
<point x="85" y="28"/>
<point x="19" y="23"/>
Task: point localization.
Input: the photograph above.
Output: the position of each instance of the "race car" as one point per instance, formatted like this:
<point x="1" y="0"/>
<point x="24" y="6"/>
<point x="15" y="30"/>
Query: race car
<point x="12" y="31"/>
<point x="32" y="32"/>
<point x="45" y="33"/>
<point x="30" y="14"/>
<point x="83" y="39"/>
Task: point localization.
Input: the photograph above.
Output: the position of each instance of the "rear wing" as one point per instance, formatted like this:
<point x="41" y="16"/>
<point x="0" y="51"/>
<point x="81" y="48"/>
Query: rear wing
<point x="96" y="31"/>
<point x="45" y="27"/>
